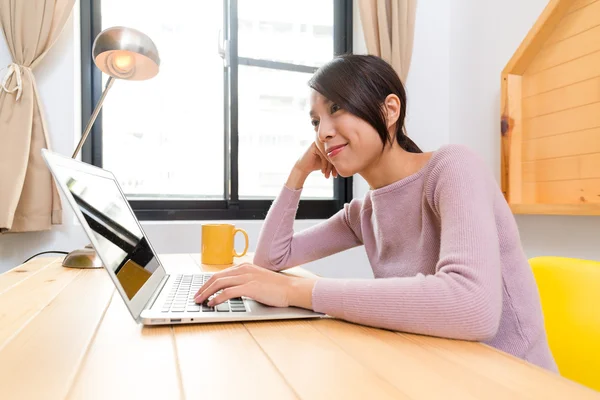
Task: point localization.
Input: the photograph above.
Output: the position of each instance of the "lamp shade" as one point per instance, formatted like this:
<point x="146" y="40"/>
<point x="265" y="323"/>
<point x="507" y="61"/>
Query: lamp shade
<point x="125" y="53"/>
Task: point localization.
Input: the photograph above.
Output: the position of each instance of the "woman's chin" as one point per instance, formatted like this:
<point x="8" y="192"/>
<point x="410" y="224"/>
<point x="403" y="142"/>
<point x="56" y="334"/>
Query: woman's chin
<point x="344" y="173"/>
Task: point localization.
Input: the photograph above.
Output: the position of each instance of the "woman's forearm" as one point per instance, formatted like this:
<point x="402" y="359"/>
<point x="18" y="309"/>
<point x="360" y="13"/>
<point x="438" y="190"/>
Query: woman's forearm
<point x="300" y="292"/>
<point x="296" y="179"/>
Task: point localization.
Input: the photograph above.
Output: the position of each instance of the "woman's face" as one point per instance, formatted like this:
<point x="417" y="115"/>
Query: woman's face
<point x="348" y="142"/>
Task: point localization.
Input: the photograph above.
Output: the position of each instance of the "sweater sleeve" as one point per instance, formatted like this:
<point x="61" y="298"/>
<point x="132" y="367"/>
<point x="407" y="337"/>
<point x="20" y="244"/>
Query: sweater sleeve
<point x="279" y="247"/>
<point x="463" y="299"/>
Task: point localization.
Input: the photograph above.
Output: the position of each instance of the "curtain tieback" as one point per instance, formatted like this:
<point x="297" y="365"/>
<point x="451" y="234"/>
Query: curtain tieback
<point x="15" y="69"/>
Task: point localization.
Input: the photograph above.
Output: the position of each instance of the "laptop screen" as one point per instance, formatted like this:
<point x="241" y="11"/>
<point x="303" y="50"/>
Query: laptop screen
<point x="121" y="244"/>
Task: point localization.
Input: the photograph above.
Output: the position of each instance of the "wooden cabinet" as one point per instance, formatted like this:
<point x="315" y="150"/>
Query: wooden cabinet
<point x="550" y="122"/>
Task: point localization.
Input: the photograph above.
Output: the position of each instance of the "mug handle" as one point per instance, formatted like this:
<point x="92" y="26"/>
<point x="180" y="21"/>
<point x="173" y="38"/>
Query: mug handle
<point x="246" y="237"/>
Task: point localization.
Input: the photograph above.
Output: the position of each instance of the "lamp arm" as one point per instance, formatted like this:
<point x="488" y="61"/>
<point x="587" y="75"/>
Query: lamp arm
<point x="88" y="128"/>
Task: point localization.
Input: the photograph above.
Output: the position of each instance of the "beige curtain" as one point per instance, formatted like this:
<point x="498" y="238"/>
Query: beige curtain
<point x="389" y="28"/>
<point x="29" y="200"/>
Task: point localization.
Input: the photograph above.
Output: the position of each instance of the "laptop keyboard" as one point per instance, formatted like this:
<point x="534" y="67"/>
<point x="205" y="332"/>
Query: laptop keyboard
<point x="181" y="297"/>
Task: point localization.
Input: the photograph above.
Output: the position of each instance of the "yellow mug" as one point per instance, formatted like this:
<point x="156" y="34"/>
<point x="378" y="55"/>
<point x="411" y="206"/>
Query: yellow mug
<point x="218" y="244"/>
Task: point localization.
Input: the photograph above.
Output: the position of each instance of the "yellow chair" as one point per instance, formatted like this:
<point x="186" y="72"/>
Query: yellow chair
<point x="570" y="295"/>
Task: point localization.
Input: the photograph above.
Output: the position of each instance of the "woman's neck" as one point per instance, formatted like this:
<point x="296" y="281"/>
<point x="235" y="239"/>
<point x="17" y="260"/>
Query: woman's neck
<point x="394" y="164"/>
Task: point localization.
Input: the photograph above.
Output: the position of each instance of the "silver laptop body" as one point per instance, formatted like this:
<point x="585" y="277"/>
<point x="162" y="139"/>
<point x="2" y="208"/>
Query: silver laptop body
<point x="152" y="296"/>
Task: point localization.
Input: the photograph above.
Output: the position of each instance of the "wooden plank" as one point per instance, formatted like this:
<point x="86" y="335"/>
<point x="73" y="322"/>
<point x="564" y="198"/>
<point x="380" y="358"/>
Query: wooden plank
<point x="43" y="359"/>
<point x="564" y="168"/>
<point x="571" y="120"/>
<point x="577" y="70"/>
<point x="576" y="22"/>
<point x="515" y="159"/>
<point x="505" y="127"/>
<point x="536" y="37"/>
<point x="126" y="360"/>
<point x="569" y="49"/>
<point x="511" y="138"/>
<point x="579" y="191"/>
<point x="515" y="373"/>
<point x="315" y="366"/>
<point x="577" y="4"/>
<point x="222" y="361"/>
<point x="404" y="364"/>
<point x="568" y="144"/>
<point x="572" y="96"/>
<point x="529" y="194"/>
<point x="556" y="209"/>
<point x="32" y="295"/>
<point x="24" y="271"/>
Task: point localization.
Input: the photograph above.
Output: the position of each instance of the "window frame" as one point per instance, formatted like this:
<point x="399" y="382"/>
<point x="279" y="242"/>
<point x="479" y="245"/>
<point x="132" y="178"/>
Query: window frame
<point x="231" y="207"/>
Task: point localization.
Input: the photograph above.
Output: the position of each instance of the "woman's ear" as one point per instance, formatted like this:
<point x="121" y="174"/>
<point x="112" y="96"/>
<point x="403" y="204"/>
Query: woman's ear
<point x="392" y="107"/>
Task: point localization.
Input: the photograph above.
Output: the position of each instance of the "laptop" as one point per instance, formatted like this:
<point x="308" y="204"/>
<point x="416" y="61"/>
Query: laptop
<point x="152" y="296"/>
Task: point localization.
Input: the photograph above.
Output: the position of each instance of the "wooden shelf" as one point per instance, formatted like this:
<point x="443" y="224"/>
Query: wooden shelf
<point x="550" y="105"/>
<point x="556" y="209"/>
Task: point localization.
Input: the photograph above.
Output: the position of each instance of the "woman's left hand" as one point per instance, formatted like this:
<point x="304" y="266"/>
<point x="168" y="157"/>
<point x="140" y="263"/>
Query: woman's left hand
<point x="263" y="285"/>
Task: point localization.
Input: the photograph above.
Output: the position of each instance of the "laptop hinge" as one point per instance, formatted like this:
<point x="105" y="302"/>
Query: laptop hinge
<point x="157" y="292"/>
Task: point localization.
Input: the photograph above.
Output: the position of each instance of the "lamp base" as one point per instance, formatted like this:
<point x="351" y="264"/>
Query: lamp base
<point x="83" y="258"/>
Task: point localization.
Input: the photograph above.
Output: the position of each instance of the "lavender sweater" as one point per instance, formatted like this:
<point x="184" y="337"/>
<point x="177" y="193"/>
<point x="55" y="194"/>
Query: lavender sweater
<point x="445" y="252"/>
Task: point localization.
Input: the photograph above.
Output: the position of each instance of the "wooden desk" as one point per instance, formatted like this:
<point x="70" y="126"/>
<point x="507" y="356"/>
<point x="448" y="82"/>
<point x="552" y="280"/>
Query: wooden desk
<point x="65" y="333"/>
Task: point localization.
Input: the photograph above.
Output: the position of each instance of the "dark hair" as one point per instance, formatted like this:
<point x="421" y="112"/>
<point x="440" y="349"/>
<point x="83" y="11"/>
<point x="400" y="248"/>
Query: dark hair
<point x="360" y="84"/>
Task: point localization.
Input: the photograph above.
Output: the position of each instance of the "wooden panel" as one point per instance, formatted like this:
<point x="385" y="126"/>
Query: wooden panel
<point x="46" y="354"/>
<point x="529" y="195"/>
<point x="579" y="191"/>
<point x="569" y="49"/>
<point x="556" y="209"/>
<point x="536" y="37"/>
<point x="568" y="144"/>
<point x="538" y="383"/>
<point x="237" y="367"/>
<point x="515" y="161"/>
<point x="24" y="271"/>
<point x="583" y="19"/>
<point x="580" y="69"/>
<point x="316" y="367"/>
<point x="511" y="131"/>
<point x="564" y="168"/>
<point x="32" y="295"/>
<point x="577" y="4"/>
<point x="138" y="362"/>
<point x="404" y="363"/>
<point x="574" y="119"/>
<point x="575" y="95"/>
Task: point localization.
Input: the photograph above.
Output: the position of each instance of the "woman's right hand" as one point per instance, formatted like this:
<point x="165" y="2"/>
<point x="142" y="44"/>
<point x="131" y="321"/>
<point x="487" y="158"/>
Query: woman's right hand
<point x="313" y="160"/>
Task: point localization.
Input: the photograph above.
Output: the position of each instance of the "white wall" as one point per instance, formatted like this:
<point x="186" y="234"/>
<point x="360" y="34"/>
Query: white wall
<point x="453" y="94"/>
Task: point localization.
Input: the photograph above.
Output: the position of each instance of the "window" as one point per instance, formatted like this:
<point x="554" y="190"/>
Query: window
<point x="215" y="134"/>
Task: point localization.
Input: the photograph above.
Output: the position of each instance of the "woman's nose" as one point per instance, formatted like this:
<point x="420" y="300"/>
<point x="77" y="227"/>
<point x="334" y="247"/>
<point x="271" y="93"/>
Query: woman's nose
<point x="326" y="131"/>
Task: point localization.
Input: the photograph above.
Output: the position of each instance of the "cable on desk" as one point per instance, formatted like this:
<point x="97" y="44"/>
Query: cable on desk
<point x="45" y="252"/>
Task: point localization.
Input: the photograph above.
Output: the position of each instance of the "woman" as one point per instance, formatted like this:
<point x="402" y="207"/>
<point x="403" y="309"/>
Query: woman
<point x="441" y="240"/>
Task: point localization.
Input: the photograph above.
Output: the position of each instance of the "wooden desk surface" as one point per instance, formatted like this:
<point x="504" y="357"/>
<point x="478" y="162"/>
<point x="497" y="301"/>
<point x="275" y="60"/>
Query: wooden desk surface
<point x="65" y="333"/>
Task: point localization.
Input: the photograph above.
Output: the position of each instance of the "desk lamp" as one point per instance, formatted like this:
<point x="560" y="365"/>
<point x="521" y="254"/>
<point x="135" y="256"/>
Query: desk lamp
<point x="121" y="53"/>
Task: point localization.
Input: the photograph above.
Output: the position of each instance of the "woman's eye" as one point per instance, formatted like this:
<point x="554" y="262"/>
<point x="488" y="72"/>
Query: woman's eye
<point x="314" y="123"/>
<point x="334" y="108"/>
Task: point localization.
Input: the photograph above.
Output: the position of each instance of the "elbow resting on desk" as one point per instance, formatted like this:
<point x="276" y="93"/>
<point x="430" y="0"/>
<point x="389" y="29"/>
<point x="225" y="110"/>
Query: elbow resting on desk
<point x="262" y="259"/>
<point x="482" y="324"/>
<point x="478" y="323"/>
<point x="466" y="312"/>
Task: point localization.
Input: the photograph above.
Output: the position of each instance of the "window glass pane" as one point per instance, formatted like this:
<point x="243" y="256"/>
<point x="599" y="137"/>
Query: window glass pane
<point x="274" y="131"/>
<point x="296" y="32"/>
<point x="163" y="138"/>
